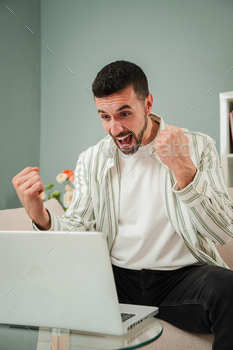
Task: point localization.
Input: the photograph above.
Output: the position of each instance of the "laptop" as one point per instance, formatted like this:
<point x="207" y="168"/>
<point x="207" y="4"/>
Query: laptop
<point x="62" y="280"/>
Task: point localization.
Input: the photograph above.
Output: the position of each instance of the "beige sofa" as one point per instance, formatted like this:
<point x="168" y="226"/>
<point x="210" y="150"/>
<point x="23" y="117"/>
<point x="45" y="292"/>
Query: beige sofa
<point x="172" y="337"/>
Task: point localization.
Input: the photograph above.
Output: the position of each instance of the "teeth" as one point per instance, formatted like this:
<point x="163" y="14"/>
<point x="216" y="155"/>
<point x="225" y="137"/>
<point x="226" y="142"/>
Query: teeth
<point x="122" y="138"/>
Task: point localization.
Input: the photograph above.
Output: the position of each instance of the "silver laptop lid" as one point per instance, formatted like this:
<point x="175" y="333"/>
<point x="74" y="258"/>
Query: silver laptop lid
<point x="54" y="279"/>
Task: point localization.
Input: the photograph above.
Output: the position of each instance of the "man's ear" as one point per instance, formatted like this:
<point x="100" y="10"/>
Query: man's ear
<point x="148" y="103"/>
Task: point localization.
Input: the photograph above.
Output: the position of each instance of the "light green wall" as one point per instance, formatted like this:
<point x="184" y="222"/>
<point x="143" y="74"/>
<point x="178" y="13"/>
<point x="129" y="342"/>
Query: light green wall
<point x="20" y="92"/>
<point x="185" y="48"/>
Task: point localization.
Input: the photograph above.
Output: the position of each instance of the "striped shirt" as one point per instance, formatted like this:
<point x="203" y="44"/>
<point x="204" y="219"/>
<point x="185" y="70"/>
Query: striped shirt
<point x="201" y="213"/>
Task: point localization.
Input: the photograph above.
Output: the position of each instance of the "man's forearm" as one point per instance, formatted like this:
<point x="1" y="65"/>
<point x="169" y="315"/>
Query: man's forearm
<point x="185" y="176"/>
<point x="44" y="221"/>
<point x="208" y="209"/>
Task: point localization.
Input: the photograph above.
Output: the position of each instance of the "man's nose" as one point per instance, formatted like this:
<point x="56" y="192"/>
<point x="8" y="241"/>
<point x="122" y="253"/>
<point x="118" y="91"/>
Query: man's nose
<point x="116" y="128"/>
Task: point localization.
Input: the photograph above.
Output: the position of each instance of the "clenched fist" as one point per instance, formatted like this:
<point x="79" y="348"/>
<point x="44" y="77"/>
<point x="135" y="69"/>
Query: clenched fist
<point x="172" y="147"/>
<point x="28" y="186"/>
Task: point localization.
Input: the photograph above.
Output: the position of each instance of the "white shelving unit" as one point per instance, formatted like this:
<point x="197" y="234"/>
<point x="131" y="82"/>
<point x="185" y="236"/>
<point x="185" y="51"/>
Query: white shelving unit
<point x="226" y="144"/>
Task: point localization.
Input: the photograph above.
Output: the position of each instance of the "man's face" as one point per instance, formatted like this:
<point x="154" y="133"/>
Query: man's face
<point x="124" y="118"/>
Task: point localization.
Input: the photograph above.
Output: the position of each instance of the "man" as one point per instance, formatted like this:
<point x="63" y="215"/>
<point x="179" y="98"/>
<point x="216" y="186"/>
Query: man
<point x="158" y="193"/>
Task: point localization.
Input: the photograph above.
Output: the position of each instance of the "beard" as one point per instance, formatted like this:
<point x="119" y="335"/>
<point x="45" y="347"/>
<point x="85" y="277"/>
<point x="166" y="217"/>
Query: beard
<point x="133" y="149"/>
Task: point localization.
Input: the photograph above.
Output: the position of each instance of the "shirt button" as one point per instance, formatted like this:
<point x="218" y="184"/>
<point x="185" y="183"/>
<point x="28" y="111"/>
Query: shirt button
<point x="200" y="189"/>
<point x="218" y="211"/>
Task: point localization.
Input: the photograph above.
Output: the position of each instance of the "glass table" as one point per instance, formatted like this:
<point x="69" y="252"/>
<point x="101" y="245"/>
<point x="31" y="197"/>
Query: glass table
<point x="31" y="338"/>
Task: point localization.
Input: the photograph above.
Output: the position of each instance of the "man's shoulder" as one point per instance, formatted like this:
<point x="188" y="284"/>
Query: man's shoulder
<point x="192" y="135"/>
<point x="103" y="147"/>
<point x="103" y="143"/>
<point x="198" y="136"/>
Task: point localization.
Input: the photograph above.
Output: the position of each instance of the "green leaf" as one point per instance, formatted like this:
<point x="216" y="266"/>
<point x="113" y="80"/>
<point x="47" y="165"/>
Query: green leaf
<point x="56" y="195"/>
<point x="49" y="187"/>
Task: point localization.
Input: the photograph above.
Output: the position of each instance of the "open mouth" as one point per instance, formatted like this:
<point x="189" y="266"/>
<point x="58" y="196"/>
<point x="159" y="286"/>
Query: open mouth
<point x="125" y="141"/>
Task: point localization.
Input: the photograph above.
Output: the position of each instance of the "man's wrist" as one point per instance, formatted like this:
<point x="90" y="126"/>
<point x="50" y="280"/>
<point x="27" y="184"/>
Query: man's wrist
<point x="184" y="178"/>
<point x="44" y="223"/>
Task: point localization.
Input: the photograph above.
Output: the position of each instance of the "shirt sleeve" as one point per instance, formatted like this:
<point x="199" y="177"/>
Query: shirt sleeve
<point x="207" y="199"/>
<point x="80" y="214"/>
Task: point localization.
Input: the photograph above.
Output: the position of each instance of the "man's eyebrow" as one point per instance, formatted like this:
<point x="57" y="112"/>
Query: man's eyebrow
<point x="119" y="109"/>
<point x="101" y="111"/>
<point x="123" y="107"/>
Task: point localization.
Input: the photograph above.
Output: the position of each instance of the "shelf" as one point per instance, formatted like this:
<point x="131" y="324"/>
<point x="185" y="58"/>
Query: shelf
<point x="226" y="96"/>
<point x="226" y="144"/>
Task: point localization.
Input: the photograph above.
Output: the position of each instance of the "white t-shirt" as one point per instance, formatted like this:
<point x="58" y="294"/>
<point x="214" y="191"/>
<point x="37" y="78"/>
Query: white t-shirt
<point x="145" y="237"/>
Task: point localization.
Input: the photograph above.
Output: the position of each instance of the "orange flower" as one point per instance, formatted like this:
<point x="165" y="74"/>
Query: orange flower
<point x="69" y="173"/>
<point x="71" y="178"/>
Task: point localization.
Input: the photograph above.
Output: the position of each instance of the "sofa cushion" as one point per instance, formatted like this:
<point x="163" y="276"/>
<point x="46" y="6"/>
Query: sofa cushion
<point x="18" y="220"/>
<point x="231" y="191"/>
<point x="174" y="338"/>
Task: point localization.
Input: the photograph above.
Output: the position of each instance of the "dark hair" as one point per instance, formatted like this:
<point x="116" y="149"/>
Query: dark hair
<point x="118" y="75"/>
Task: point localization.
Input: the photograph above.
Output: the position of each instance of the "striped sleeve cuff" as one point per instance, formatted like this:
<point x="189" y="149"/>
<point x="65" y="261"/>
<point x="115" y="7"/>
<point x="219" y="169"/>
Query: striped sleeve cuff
<point x="55" y="223"/>
<point x="196" y="192"/>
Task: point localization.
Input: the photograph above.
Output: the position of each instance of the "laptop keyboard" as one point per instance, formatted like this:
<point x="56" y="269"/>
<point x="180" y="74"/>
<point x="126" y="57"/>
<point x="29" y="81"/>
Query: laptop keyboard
<point x="125" y="316"/>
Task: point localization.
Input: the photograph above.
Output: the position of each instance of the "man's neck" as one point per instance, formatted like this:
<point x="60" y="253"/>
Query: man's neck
<point x="153" y="127"/>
